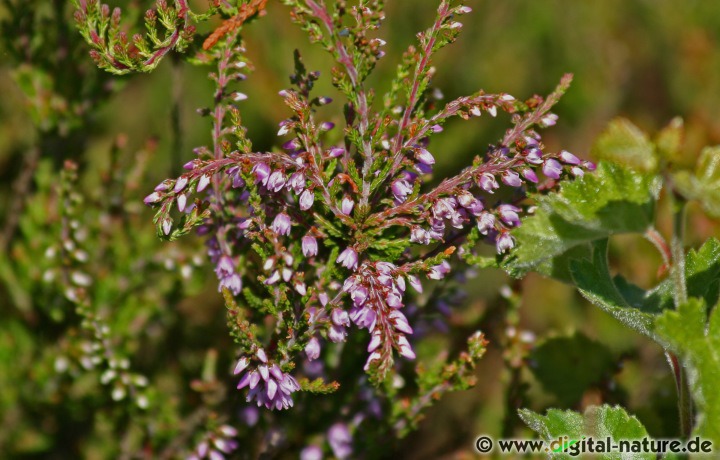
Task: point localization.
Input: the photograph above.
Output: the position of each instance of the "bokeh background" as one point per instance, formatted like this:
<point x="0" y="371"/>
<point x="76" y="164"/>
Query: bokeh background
<point x="647" y="60"/>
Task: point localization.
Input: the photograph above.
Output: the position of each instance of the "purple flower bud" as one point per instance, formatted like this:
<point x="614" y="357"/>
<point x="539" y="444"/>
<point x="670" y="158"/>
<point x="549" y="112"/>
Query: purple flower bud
<point x="154" y="197"/>
<point x="340" y="317"/>
<point x="306" y="199"/>
<point x="401" y="189"/>
<point x="324" y="100"/>
<point x="238" y="96"/>
<point x="569" y="158"/>
<point x="181" y="202"/>
<point x="415" y="283"/>
<point x="281" y="224"/>
<point x="533" y="155"/>
<point x="438" y="272"/>
<point x="486" y="222"/>
<point x="552" y="168"/>
<point x="394" y="300"/>
<point x="203" y="182"/>
<point x="260" y="353"/>
<point x="511" y="178"/>
<point x="548" y="120"/>
<point x="589" y="165"/>
<point x="509" y="214"/>
<point x="292" y="144"/>
<point x="166" y="226"/>
<point x="359" y="295"/>
<point x="311" y="453"/>
<point x="162" y="187"/>
<point x="530" y="175"/>
<point x="488" y="183"/>
<point x="336" y="152"/>
<point x="424" y="157"/>
<point x="347" y="205"/>
<point x="336" y="334"/>
<point x="375" y="341"/>
<point x="312" y="349"/>
<point x="285" y="127"/>
<point x="274" y="278"/>
<point x="189" y="165"/>
<point x="348" y="259"/>
<point x="309" y="246"/>
<point x="180" y="184"/>
<point x="504" y="242"/>
<point x="297" y="182"/>
<point x="464" y="9"/>
<point x="340" y="441"/>
<point x="436" y="128"/>
<point x="404" y="348"/>
<point x="400" y="321"/>
<point x="276" y="181"/>
<point x="262" y="172"/>
<point x="419" y="235"/>
<point x="241" y="365"/>
<point x="577" y="171"/>
<point x="327" y="126"/>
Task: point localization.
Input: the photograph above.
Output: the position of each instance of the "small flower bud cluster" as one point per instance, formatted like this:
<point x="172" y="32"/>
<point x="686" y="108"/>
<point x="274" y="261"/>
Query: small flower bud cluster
<point x="216" y="445"/>
<point x="269" y="386"/>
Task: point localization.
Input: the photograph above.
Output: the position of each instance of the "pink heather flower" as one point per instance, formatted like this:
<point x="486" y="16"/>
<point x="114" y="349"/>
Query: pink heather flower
<point x="569" y="158"/>
<point x="340" y="440"/>
<point x="340" y="317"/>
<point x="419" y="235"/>
<point x="270" y="387"/>
<point x="262" y="172"/>
<point x="162" y="187"/>
<point x="324" y="100"/>
<point x="181" y="202"/>
<point x="347" y="205"/>
<point x="336" y="334"/>
<point x="281" y="224"/>
<point x="180" y="184"/>
<point x="424" y="157"/>
<point x="241" y="365"/>
<point x="297" y="182"/>
<point x="534" y="155"/>
<point x="166" y="226"/>
<point x="552" y="168"/>
<point x="154" y="197"/>
<point x="311" y="453"/>
<point x="312" y="349"/>
<point x="577" y="171"/>
<point x="327" y="126"/>
<point x="348" y="259"/>
<point x="364" y="317"/>
<point x="292" y="144"/>
<point x="306" y="200"/>
<point x="504" y="242"/>
<point x="509" y="214"/>
<point x="404" y="347"/>
<point x="400" y="322"/>
<point x="438" y="272"/>
<point x="548" y="120"/>
<point x="375" y="341"/>
<point x="488" y="183"/>
<point x="203" y="182"/>
<point x="415" y="283"/>
<point x="401" y="189"/>
<point x="511" y="178"/>
<point x="225" y="271"/>
<point x="436" y="128"/>
<point x="530" y="175"/>
<point x="486" y="222"/>
<point x="309" y="246"/>
<point x="589" y="165"/>
<point x="285" y="127"/>
<point x="276" y="181"/>
<point x="261" y="355"/>
<point x="336" y="152"/>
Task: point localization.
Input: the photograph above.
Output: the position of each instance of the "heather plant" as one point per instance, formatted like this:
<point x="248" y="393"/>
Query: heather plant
<point x="340" y="255"/>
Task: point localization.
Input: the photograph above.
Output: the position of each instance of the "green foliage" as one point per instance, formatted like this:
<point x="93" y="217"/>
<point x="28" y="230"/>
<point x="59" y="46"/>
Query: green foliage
<point x="598" y="422"/>
<point x="694" y="337"/>
<point x="611" y="201"/>
<point x="704" y="184"/>
<point x="568" y="366"/>
<point x="624" y="143"/>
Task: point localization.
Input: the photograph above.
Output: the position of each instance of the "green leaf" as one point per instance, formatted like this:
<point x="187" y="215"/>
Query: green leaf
<point x="612" y="200"/>
<point x="697" y="341"/>
<point x="567" y="366"/>
<point x="616" y="296"/>
<point x="598" y="422"/>
<point x="669" y="141"/>
<point x="704" y="184"/>
<point x="624" y="143"/>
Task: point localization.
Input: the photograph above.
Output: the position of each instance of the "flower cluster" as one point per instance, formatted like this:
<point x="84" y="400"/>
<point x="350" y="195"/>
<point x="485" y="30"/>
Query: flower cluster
<point x="216" y="444"/>
<point x="325" y="233"/>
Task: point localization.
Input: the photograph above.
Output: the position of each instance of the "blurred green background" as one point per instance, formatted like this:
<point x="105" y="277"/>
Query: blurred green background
<point x="648" y="60"/>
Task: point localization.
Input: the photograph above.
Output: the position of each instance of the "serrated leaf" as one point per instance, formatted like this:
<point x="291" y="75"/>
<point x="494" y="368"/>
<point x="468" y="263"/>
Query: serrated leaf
<point x="598" y="422"/>
<point x="704" y="184"/>
<point x="624" y="143"/>
<point x="697" y="341"/>
<point x="613" y="200"/>
<point x="621" y="299"/>
<point x="567" y="366"/>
